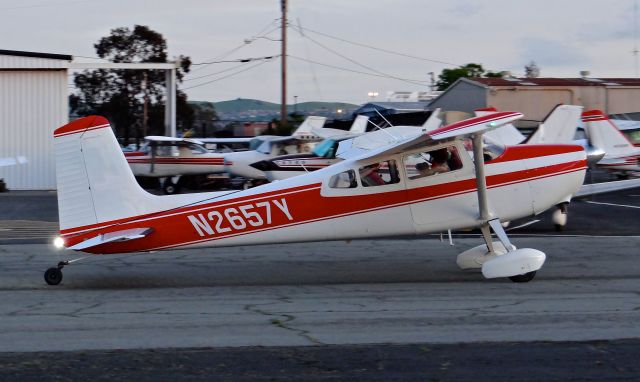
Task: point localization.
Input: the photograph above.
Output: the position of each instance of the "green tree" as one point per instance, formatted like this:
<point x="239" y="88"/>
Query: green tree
<point x="119" y="94"/>
<point x="449" y="76"/>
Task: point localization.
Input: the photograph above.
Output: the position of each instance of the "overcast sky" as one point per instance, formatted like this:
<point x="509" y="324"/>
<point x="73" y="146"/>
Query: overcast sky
<point x="563" y="37"/>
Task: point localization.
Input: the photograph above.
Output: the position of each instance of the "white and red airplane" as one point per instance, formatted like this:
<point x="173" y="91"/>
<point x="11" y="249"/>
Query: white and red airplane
<point x="622" y="157"/>
<point x="170" y="158"/>
<point x="103" y="210"/>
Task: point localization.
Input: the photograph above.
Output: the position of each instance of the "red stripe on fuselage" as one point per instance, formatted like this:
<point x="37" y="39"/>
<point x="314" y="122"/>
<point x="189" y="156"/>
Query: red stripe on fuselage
<point x="191" y="208"/>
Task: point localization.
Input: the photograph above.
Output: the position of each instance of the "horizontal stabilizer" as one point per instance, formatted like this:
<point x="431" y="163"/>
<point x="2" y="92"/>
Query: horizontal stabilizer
<point x="601" y="188"/>
<point x="110" y="237"/>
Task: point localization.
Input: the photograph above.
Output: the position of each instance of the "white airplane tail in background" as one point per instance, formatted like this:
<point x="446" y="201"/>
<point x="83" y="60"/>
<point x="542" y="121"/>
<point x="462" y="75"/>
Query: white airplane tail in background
<point x="359" y="125"/>
<point x="305" y="130"/>
<point x="606" y="136"/>
<point x="559" y="127"/>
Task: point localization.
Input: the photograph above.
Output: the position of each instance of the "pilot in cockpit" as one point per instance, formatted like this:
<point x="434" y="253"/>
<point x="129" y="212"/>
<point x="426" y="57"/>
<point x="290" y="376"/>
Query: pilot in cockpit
<point x="438" y="163"/>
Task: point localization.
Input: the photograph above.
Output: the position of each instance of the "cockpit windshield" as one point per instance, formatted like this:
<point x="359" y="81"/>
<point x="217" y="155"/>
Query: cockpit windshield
<point x="326" y="149"/>
<point x="255" y="143"/>
<point x="264" y="147"/>
<point x="492" y="151"/>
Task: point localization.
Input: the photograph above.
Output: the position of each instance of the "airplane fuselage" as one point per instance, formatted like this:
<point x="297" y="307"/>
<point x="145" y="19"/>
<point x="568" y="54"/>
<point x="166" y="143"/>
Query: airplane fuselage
<point x="523" y="181"/>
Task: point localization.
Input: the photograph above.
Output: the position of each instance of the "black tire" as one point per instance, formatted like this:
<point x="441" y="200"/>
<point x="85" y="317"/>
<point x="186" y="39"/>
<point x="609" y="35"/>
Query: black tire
<point x="559" y="227"/>
<point x="170" y="188"/>
<point x="53" y="276"/>
<point x="525" y="278"/>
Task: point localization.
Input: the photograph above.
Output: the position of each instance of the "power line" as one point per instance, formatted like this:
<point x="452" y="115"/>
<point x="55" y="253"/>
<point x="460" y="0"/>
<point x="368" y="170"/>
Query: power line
<point x="246" y="42"/>
<point x="237" y="60"/>
<point x="357" y="71"/>
<point x="379" y="49"/>
<point x="227" y="76"/>
<point x="214" y="73"/>
<point x="414" y="82"/>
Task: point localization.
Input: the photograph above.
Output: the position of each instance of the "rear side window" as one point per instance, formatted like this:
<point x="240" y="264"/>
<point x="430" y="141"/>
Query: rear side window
<point x="346" y="179"/>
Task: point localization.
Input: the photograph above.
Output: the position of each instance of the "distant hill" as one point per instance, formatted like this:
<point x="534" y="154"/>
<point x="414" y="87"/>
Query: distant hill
<point x="241" y="105"/>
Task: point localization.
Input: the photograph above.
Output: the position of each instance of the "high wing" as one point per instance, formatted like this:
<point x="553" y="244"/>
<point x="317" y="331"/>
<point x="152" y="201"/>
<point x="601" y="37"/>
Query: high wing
<point x="369" y="146"/>
<point x="508" y="135"/>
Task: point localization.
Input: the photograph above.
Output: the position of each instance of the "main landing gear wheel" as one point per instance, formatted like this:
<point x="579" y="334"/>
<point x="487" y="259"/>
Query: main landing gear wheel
<point x="53" y="276"/>
<point x="525" y="278"/>
<point x="170" y="188"/>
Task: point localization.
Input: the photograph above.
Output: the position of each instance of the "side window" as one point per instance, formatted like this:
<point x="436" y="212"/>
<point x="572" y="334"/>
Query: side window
<point x="345" y="179"/>
<point x="167" y="151"/>
<point x="379" y="174"/>
<point x="433" y="162"/>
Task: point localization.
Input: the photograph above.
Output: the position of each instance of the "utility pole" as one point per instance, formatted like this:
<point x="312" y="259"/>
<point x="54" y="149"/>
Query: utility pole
<point x="145" y="108"/>
<point x="283" y="60"/>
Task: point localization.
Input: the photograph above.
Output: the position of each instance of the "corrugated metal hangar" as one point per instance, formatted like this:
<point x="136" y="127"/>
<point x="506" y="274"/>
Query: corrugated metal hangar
<point x="33" y="103"/>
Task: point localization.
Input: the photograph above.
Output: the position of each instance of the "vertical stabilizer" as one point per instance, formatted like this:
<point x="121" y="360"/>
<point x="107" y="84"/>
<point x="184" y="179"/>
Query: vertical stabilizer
<point x="95" y="183"/>
<point x="433" y="122"/>
<point x="359" y="125"/>
<point x="559" y="127"/>
<point x="304" y="131"/>
<point x="605" y="135"/>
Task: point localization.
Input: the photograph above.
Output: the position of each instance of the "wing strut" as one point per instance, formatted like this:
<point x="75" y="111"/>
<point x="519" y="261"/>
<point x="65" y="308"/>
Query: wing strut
<point x="483" y="204"/>
<point x="518" y="264"/>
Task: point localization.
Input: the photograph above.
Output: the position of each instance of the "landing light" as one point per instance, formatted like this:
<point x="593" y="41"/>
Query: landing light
<point x="58" y="242"/>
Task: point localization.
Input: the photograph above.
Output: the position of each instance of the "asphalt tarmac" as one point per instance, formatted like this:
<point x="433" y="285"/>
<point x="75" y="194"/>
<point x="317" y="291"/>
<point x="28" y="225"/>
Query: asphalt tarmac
<point x="360" y="310"/>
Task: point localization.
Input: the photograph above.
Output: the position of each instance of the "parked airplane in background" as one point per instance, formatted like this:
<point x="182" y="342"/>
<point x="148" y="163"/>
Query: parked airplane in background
<point x="368" y="195"/>
<point x="622" y="157"/>
<point x="170" y="158"/>
<point x="267" y="147"/>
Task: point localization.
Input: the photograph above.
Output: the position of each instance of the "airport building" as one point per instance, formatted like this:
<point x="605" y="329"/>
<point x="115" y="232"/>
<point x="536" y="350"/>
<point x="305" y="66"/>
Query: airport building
<point x="536" y="97"/>
<point x="33" y="102"/>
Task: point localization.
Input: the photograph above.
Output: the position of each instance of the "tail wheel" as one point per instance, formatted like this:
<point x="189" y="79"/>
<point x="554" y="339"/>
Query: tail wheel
<point x="524" y="278"/>
<point x="53" y="276"/>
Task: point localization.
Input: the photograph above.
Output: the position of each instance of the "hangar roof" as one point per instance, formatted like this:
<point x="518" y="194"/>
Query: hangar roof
<point x="564" y="82"/>
<point x="20" y="53"/>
